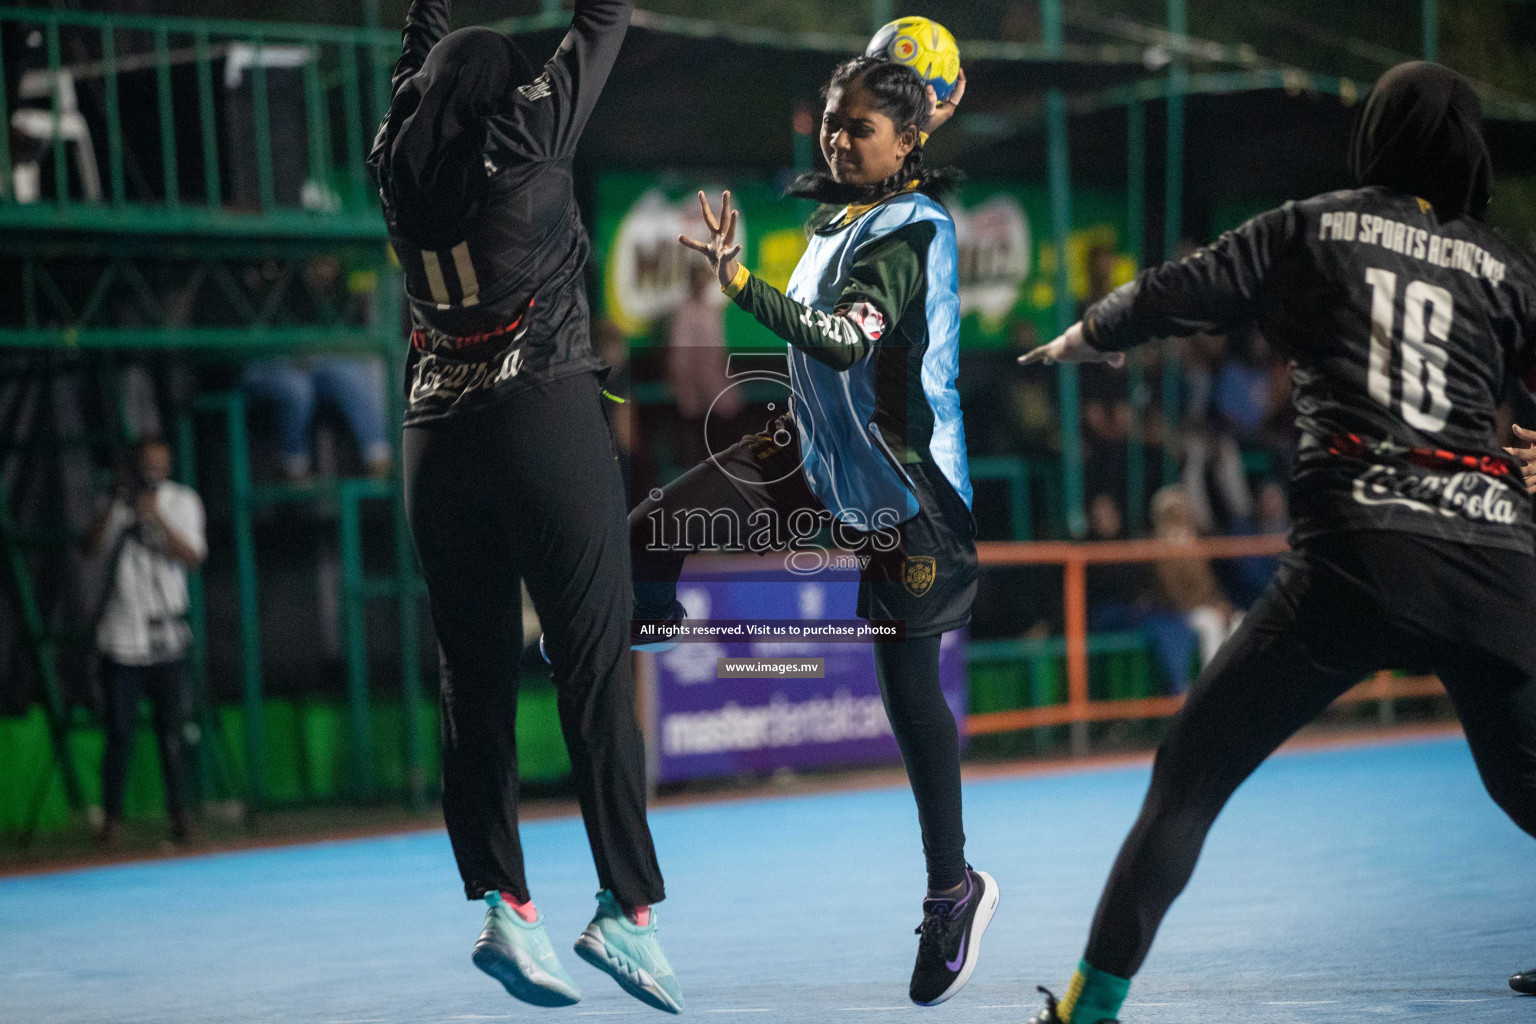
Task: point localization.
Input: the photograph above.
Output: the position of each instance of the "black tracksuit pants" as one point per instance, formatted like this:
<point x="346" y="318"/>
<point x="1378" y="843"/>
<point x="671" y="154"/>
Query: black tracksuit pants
<point x="528" y="489"/>
<point x="164" y="685"/>
<point x="1341" y="607"/>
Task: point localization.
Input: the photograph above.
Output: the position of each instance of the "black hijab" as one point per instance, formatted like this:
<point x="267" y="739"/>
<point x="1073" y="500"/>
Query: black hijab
<point x="433" y="167"/>
<point x="1421" y="132"/>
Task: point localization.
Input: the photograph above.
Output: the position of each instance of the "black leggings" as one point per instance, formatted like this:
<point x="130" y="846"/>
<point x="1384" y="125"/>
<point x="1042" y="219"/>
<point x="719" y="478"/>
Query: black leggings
<point x="1342" y="607"/>
<point x="930" y="747"/>
<point x="528" y="490"/>
<point x="908" y="671"/>
<point x="163" y="684"/>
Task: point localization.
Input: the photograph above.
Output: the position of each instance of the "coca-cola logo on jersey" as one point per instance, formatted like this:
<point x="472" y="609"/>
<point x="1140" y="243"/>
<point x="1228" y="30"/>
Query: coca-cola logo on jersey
<point x="1472" y="496"/>
<point x="439" y="380"/>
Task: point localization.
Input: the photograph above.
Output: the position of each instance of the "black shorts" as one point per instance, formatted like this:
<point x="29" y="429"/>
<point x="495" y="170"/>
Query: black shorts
<point x="924" y="575"/>
<point x="1363" y="600"/>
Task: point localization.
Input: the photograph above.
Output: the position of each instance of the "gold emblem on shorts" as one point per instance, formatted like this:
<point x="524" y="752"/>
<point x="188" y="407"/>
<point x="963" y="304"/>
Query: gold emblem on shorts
<point x="919" y="574"/>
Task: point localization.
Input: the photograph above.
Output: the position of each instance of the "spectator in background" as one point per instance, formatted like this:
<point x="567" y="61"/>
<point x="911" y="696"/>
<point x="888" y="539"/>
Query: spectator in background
<point x="1253" y="402"/>
<point x="1102" y="261"/>
<point x="353" y="385"/>
<point x="1161" y="433"/>
<point x="1105" y="521"/>
<point x="1280" y="434"/>
<point x="1249" y="576"/>
<point x="1106" y="401"/>
<point x="1186" y="590"/>
<point x="1008" y="412"/>
<point x="152" y="532"/>
<point x="1150" y="397"/>
<point x="1128" y="596"/>
<point x="1242" y="385"/>
<point x="1118" y="592"/>
<point x="1113" y="399"/>
<point x="697" y="364"/>
<point x="1210" y="450"/>
<point x="1010" y="415"/>
<point x="1014" y="414"/>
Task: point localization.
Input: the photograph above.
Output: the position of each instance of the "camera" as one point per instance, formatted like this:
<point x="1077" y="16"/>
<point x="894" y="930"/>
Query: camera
<point x="135" y="483"/>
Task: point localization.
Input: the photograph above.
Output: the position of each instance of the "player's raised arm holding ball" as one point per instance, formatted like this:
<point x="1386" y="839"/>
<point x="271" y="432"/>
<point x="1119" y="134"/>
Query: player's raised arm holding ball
<point x="872" y="438"/>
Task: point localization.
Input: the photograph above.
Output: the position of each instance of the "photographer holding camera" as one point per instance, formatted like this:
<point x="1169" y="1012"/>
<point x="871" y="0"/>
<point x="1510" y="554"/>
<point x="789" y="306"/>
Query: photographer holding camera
<point x="152" y="531"/>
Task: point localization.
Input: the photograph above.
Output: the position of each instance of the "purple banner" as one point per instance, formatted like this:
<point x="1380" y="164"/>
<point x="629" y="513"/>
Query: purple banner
<point x="708" y="726"/>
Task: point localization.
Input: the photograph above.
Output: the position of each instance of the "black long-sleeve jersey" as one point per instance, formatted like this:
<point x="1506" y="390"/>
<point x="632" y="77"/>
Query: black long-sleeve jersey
<point x="502" y="305"/>
<point x="1401" y="332"/>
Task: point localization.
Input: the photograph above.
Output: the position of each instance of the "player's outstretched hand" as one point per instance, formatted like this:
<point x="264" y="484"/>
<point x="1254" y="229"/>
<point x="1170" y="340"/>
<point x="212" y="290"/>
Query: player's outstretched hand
<point x="1526" y="455"/>
<point x="1072" y="347"/>
<point x="719" y="250"/>
<point x="941" y="111"/>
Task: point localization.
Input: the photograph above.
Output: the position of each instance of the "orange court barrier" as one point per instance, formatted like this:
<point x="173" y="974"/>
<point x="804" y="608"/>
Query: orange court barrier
<point x="1074" y="558"/>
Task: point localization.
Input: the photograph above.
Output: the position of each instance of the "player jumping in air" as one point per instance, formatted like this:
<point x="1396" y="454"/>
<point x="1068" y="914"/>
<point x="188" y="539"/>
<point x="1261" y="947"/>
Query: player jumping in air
<point x="510" y="472"/>
<point x="873" y="438"/>
<point x="1402" y="314"/>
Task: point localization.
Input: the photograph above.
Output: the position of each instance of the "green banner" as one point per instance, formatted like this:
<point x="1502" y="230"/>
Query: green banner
<point x="645" y="271"/>
<point x="1007" y="261"/>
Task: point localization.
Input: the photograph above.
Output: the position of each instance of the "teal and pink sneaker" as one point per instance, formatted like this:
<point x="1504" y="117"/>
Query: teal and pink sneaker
<point x="517" y="953"/>
<point x="631" y="954"/>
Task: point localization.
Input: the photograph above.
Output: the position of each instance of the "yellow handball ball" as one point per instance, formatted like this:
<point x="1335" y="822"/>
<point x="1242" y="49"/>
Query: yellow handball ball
<point x="924" y="46"/>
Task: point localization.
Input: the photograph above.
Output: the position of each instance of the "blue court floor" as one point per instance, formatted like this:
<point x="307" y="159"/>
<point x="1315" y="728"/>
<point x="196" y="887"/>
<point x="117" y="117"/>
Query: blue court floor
<point x="1368" y="884"/>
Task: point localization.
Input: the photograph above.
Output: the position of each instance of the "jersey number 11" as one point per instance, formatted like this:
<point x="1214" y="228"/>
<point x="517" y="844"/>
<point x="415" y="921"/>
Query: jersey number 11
<point x="1427" y="310"/>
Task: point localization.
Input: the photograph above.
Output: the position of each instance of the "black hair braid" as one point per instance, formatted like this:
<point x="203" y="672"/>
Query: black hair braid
<point x="900" y="94"/>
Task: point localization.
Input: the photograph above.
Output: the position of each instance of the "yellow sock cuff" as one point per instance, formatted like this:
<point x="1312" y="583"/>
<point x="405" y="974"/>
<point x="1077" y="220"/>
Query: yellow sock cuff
<point x="1074" y="992"/>
<point x="1097" y="994"/>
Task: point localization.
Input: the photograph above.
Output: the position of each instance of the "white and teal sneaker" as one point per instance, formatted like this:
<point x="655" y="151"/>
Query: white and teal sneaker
<point x="517" y="953"/>
<point x="631" y="954"/>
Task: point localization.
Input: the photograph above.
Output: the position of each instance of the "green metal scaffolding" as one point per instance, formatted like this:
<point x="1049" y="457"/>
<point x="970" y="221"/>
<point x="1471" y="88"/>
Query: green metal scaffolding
<point x="74" y="253"/>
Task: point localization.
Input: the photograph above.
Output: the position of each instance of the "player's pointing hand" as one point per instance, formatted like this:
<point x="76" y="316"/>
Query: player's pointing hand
<point x="1072" y="347"/>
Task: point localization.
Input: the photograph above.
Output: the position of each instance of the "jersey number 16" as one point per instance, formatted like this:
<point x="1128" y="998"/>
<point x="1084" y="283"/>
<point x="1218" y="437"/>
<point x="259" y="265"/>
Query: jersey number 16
<point x="1427" y="310"/>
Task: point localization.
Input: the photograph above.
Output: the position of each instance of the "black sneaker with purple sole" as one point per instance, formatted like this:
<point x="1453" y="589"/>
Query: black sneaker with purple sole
<point x="950" y="942"/>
